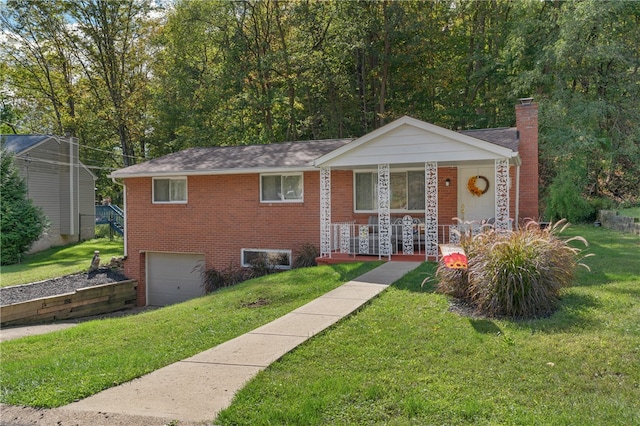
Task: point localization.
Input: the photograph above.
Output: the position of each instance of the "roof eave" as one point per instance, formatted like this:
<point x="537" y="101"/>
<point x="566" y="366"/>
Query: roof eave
<point x="212" y="172"/>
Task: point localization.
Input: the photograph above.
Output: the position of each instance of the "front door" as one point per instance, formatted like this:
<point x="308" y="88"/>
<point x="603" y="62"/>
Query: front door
<point x="481" y="205"/>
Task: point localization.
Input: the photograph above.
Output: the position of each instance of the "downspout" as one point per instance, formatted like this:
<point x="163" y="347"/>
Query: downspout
<point x="517" y="196"/>
<point x="77" y="168"/>
<point x="124" y="209"/>
<point x="72" y="227"/>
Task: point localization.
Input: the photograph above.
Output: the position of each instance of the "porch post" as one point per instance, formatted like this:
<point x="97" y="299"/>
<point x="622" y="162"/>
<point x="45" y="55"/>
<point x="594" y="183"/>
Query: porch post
<point x="384" y="214"/>
<point x="502" y="194"/>
<point x="431" y="209"/>
<point x="325" y="212"/>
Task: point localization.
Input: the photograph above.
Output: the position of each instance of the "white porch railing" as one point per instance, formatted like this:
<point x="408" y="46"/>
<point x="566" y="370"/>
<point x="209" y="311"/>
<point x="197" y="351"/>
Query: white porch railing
<point x="407" y="238"/>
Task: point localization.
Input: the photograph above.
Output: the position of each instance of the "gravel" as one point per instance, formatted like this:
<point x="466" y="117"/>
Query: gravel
<point x="67" y="284"/>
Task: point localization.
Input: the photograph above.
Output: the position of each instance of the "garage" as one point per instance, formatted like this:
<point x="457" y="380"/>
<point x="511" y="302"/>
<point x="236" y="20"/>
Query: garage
<point x="173" y="278"/>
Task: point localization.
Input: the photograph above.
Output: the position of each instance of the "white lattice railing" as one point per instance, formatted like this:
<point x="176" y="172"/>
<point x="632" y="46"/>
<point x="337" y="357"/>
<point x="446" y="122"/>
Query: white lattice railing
<point x="406" y="236"/>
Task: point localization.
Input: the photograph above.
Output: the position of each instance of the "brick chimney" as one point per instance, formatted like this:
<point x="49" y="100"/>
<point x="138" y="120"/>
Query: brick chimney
<point x="527" y="125"/>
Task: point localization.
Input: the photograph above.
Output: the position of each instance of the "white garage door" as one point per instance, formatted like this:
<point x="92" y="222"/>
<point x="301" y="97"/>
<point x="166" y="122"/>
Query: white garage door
<point x="173" y="278"/>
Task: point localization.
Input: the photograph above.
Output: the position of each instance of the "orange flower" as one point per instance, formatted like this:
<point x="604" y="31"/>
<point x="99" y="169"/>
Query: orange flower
<point x="455" y="261"/>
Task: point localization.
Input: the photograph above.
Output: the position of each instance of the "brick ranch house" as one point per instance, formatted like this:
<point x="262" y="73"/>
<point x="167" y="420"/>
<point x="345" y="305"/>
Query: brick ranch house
<point x="392" y="193"/>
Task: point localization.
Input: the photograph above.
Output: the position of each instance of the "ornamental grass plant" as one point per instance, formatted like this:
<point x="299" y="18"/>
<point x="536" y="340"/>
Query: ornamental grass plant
<point x="516" y="274"/>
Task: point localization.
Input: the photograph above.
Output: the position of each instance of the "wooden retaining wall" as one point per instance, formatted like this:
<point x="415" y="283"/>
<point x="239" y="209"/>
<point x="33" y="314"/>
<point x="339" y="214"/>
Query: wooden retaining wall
<point x="100" y="299"/>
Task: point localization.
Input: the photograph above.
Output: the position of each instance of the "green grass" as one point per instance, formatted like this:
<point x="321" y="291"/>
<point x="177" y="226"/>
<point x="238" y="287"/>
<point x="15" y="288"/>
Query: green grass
<point x="59" y="261"/>
<point x="407" y="360"/>
<point x="58" y="368"/>
<point x="403" y="359"/>
<point x="630" y="212"/>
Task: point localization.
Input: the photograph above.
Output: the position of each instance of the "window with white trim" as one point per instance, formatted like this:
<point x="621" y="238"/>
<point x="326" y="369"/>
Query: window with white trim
<point x="276" y="259"/>
<point x="407" y="191"/>
<point x="170" y="190"/>
<point x="281" y="188"/>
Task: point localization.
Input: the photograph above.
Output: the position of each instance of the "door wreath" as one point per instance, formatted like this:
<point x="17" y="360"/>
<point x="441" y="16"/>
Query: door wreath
<point x="473" y="188"/>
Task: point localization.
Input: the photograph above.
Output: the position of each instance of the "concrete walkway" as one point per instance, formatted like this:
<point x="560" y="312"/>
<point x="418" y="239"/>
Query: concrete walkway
<point x="197" y="388"/>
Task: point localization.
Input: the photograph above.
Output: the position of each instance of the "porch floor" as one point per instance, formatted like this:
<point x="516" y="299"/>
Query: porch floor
<point x="344" y="257"/>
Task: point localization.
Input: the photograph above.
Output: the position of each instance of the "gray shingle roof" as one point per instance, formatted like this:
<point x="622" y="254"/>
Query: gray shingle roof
<point x="20" y="143"/>
<point x="277" y="156"/>
<point x="504" y="137"/>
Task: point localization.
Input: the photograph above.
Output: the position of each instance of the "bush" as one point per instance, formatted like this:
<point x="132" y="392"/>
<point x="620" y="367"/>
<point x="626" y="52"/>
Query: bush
<point x="565" y="200"/>
<point x="517" y="274"/>
<point x="212" y="279"/>
<point x="21" y="223"/>
<point x="262" y="264"/>
<point x="306" y="256"/>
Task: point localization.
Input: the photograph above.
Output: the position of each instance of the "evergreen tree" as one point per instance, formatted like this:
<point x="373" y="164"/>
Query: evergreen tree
<point x="21" y="223"/>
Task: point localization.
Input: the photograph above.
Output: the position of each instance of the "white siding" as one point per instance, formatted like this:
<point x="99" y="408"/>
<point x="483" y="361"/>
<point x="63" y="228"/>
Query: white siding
<point x="407" y="144"/>
<point x="87" y="204"/>
<point x="42" y="181"/>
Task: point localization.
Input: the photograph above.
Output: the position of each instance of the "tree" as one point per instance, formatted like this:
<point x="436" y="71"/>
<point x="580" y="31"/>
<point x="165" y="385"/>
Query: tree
<point x="21" y="223"/>
<point x="111" y="46"/>
<point x="39" y="62"/>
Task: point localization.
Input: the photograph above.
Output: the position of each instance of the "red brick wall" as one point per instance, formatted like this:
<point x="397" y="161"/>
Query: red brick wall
<point x="224" y="215"/>
<point x="447" y="195"/>
<point x="527" y="124"/>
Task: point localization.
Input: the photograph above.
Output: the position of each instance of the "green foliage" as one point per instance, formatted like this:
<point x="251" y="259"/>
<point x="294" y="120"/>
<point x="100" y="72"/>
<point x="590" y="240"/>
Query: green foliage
<point x="222" y="73"/>
<point x="566" y="200"/>
<point x="306" y="256"/>
<point x="518" y="274"/>
<point x="21" y="223"/>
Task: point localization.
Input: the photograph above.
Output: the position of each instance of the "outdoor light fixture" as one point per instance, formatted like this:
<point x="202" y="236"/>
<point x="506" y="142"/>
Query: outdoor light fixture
<point x="447" y="182"/>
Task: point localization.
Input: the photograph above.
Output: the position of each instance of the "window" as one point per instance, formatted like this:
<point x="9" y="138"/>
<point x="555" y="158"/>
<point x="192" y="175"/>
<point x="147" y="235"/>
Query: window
<point x="277" y="259"/>
<point x="407" y="191"/>
<point x="170" y="190"/>
<point x="281" y="188"/>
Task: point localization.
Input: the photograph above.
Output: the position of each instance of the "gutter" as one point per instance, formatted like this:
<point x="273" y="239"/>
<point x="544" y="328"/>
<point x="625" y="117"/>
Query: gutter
<point x="214" y="172"/>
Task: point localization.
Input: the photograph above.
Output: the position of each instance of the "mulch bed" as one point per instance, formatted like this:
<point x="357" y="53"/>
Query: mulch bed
<point x="67" y="284"/>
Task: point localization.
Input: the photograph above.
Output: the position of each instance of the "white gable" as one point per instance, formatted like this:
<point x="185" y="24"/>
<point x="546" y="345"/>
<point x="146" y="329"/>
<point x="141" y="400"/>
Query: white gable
<point x="408" y="140"/>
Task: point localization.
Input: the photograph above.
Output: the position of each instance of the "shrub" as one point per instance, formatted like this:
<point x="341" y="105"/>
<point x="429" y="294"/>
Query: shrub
<point x="261" y="265"/>
<point x="213" y="279"/>
<point x="518" y="274"/>
<point x="21" y="223"/>
<point x="306" y="256"/>
<point x="565" y="200"/>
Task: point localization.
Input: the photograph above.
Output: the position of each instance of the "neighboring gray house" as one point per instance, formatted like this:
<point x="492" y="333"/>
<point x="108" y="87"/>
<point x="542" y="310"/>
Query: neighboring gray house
<point x="58" y="183"/>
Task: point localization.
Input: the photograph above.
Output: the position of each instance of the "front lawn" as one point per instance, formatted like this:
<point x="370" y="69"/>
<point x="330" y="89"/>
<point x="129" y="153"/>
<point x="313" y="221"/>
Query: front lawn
<point x="59" y="261"/>
<point x="407" y="359"/>
<point x="58" y="368"/>
<point x="403" y="359"/>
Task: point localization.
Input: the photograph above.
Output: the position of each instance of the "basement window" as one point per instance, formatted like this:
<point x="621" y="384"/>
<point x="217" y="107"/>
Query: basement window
<point x="276" y="259"/>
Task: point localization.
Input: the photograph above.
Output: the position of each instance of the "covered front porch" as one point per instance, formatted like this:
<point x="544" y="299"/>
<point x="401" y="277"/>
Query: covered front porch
<point x="407" y="187"/>
<point x="361" y="242"/>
